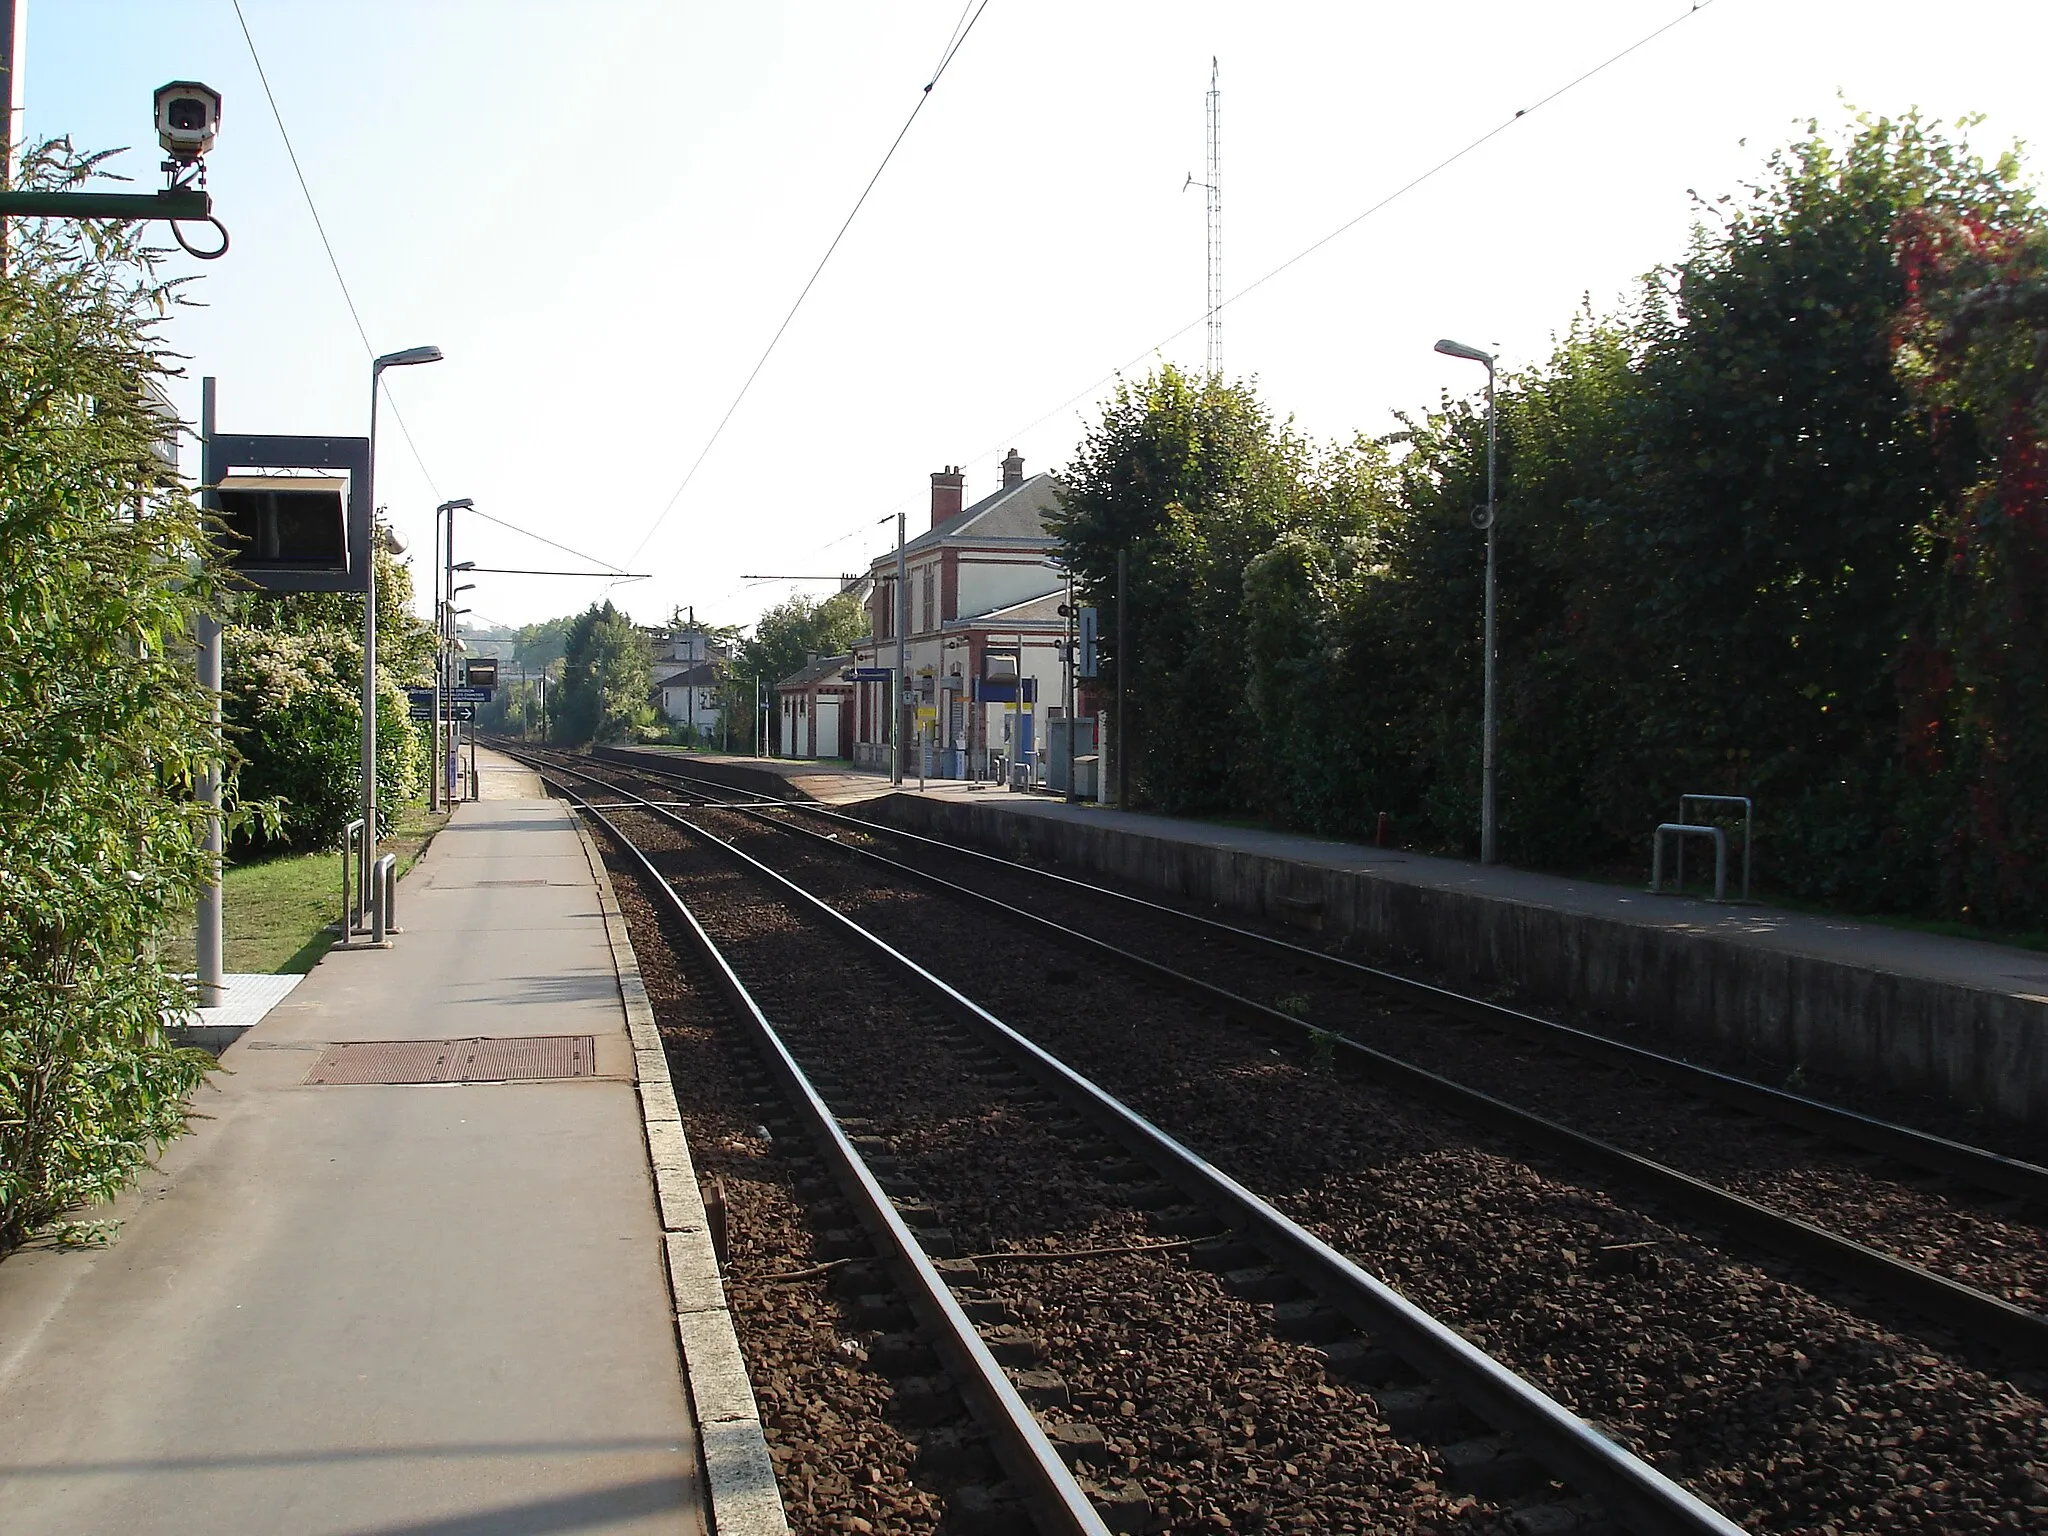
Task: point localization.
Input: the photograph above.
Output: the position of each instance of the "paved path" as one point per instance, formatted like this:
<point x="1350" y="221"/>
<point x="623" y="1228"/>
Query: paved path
<point x="1973" y="963"/>
<point x="430" y="1310"/>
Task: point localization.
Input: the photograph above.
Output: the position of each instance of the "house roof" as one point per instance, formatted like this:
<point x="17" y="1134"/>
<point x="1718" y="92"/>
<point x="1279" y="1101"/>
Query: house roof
<point x="819" y="670"/>
<point x="1015" y="514"/>
<point x="702" y="675"/>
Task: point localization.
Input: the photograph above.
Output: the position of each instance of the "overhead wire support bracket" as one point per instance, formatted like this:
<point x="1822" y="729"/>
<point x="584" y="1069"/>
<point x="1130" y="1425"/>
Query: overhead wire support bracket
<point x="177" y="203"/>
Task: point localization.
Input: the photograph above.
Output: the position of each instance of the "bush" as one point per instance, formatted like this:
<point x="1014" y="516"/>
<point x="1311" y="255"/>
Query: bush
<point x="295" y="717"/>
<point x="103" y="727"/>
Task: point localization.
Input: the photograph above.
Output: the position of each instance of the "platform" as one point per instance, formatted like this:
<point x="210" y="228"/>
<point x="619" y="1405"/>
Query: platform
<point x="394" y="1308"/>
<point x="1953" y="1018"/>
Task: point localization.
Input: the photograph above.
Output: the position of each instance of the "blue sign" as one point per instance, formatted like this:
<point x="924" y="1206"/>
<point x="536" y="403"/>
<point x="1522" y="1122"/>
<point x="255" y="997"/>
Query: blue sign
<point x="1004" y="690"/>
<point x="866" y="674"/>
<point x="468" y="695"/>
<point x="1085" y="663"/>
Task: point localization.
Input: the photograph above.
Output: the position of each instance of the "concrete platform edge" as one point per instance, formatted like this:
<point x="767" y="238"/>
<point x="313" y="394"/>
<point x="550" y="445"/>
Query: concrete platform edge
<point x="732" y="1445"/>
<point x="1973" y="1047"/>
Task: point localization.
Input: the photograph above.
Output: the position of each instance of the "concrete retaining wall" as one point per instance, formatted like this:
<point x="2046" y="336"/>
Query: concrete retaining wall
<point x="1984" y="1049"/>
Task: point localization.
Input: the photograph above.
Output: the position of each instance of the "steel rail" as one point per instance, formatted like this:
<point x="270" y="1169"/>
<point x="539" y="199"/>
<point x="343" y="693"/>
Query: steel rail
<point x="1027" y="1456"/>
<point x="1938" y="1154"/>
<point x="2014" y="1330"/>
<point x="1628" y="1487"/>
<point x="1991" y="1319"/>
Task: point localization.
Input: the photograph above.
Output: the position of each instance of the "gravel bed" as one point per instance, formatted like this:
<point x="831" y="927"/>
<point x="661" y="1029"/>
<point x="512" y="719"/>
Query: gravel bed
<point x="1221" y="1424"/>
<point x="841" y="1463"/>
<point x="1787" y="1410"/>
<point x="1996" y="1244"/>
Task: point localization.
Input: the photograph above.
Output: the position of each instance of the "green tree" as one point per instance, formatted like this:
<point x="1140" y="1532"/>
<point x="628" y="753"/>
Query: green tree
<point x="540" y="646"/>
<point x="1195" y="480"/>
<point x="785" y="637"/>
<point x="104" y="566"/>
<point x="1778" y="528"/>
<point x="1973" y="348"/>
<point x="606" y="678"/>
<point x="293" y="702"/>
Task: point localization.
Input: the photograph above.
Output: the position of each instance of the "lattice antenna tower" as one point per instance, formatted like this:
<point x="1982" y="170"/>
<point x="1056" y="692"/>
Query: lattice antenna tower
<point x="1215" y="187"/>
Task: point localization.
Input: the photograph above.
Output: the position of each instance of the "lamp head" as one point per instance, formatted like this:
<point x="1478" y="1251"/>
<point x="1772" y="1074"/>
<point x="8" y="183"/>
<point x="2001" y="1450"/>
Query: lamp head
<point x="460" y="504"/>
<point x="464" y="565"/>
<point x="407" y="358"/>
<point x="1451" y="348"/>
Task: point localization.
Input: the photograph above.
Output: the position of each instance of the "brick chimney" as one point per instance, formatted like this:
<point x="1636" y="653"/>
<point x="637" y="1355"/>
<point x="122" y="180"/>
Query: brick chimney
<point x="1013" y="470"/>
<point x="949" y="493"/>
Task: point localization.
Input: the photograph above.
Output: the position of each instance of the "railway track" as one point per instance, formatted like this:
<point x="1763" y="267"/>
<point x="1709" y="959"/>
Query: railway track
<point x="1776" y="1152"/>
<point x="1633" y="1273"/>
<point x="1110" y="1255"/>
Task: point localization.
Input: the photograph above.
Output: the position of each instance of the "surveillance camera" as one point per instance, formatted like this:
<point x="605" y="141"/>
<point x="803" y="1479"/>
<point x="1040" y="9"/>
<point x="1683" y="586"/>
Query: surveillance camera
<point x="187" y="118"/>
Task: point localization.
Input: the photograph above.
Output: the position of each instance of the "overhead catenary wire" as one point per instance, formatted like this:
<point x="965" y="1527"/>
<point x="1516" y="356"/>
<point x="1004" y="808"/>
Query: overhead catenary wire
<point x="958" y="41"/>
<point x="1309" y="250"/>
<point x="609" y="568"/>
<point x="327" y="245"/>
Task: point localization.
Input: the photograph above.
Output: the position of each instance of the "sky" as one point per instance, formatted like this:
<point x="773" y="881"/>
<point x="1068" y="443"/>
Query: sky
<point x="602" y="211"/>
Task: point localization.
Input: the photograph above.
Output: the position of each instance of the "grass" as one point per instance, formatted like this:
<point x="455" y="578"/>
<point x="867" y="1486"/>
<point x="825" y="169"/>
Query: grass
<point x="279" y="909"/>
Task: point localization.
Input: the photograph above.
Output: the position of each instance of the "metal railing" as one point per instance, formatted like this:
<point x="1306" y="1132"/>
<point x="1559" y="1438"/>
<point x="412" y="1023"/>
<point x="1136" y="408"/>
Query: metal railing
<point x="1748" y="815"/>
<point x="1679" y="831"/>
<point x="354" y="852"/>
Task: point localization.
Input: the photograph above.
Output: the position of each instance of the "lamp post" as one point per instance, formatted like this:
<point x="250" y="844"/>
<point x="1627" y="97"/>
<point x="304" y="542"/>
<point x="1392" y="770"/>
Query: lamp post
<point x="405" y="359"/>
<point x="442" y="559"/>
<point x="899" y="685"/>
<point x="1488" y="844"/>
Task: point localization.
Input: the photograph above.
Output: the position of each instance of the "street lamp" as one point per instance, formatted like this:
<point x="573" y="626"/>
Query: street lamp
<point x="447" y="510"/>
<point x="406" y="359"/>
<point x="1488" y="826"/>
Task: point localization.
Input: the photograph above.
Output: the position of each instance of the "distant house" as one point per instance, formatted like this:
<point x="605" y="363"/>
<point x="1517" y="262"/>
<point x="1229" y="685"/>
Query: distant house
<point x="814" y="705"/>
<point x="689" y="665"/>
<point x="985" y="633"/>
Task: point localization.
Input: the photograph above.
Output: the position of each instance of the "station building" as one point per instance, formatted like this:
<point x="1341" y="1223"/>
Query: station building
<point x="985" y="632"/>
<point x="816" y="707"/>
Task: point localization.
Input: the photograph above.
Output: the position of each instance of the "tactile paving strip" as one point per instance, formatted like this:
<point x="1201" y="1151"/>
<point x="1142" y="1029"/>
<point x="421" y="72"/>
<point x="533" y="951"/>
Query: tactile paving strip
<point x="520" y="1058"/>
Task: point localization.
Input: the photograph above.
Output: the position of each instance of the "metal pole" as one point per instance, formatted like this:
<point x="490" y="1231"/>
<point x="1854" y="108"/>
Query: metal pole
<point x="440" y="664"/>
<point x="451" y="766"/>
<point x="370" y="828"/>
<point x="13" y="44"/>
<point x="1067" y="692"/>
<point x="1123" y="758"/>
<point x="1488" y="825"/>
<point x="212" y="983"/>
<point x="900" y="683"/>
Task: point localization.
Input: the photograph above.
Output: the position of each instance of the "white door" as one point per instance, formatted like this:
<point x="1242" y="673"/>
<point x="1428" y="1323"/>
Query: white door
<point x="828" y="728"/>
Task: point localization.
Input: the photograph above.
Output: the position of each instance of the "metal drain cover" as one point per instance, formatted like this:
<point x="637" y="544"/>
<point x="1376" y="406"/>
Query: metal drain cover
<point x="519" y="1058"/>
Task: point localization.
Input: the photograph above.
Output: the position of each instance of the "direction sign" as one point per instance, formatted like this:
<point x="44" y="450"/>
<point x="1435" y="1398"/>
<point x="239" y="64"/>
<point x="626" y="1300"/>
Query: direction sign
<point x="866" y="674"/>
<point x="468" y="695"/>
<point x="1086" y="666"/>
<point x="417" y="711"/>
